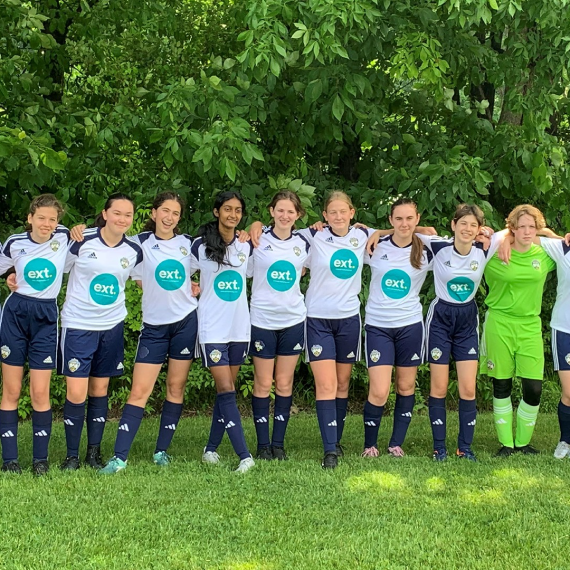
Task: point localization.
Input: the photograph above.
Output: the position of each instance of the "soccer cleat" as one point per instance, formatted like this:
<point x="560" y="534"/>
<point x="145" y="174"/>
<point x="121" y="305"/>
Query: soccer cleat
<point x="466" y="454"/>
<point x="396" y="451"/>
<point x="245" y="465"/>
<point x="339" y="450"/>
<point x="370" y="452"/>
<point x="505" y="451"/>
<point x="93" y="457"/>
<point x="162" y="459"/>
<point x="12" y="467"/>
<point x="440" y="454"/>
<point x="526" y="450"/>
<point x="114" y="465"/>
<point x="562" y="450"/>
<point x="264" y="453"/>
<point x="40" y="467"/>
<point x="279" y="453"/>
<point x="71" y="463"/>
<point x="210" y="457"/>
<point x="330" y="460"/>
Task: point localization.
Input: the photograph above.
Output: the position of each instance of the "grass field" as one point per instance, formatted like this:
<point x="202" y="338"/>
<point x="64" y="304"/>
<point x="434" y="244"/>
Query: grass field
<point x="369" y="513"/>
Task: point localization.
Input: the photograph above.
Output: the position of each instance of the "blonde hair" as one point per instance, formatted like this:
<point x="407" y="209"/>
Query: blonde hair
<point x="338" y="195"/>
<point x="525" y="210"/>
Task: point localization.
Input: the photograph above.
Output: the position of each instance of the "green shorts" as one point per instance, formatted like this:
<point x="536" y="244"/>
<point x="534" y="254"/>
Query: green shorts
<point x="512" y="347"/>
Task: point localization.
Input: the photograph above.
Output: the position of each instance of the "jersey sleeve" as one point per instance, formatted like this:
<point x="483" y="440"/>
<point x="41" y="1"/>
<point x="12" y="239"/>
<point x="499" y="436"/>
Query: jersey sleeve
<point x="554" y="248"/>
<point x="72" y="255"/>
<point x="307" y="233"/>
<point x="6" y="261"/>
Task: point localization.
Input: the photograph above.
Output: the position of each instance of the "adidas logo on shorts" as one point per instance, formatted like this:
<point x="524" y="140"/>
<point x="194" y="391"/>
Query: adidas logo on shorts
<point x="297" y="347"/>
<point x="472" y="351"/>
<point x="415" y="357"/>
<point x="48" y="360"/>
<point x="351" y="355"/>
<point x="185" y="351"/>
<point x="92" y="256"/>
<point x="120" y="366"/>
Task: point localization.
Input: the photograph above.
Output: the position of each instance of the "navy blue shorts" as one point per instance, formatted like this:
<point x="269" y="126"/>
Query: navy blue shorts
<point x="224" y="354"/>
<point x="452" y="331"/>
<point x="91" y="353"/>
<point x="177" y="340"/>
<point x="561" y="350"/>
<point x="401" y="346"/>
<point x="284" y="342"/>
<point x="334" y="339"/>
<point x="28" y="332"/>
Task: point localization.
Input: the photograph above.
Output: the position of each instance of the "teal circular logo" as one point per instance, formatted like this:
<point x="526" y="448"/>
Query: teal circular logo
<point x="281" y="275"/>
<point x="104" y="289"/>
<point x="228" y="285"/>
<point x="460" y="288"/>
<point x="170" y="274"/>
<point x="40" y="273"/>
<point x="344" y="264"/>
<point x="396" y="284"/>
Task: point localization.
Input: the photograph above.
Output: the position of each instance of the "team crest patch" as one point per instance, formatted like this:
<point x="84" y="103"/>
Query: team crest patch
<point x="436" y="353"/>
<point x="183" y="250"/>
<point x="317" y="349"/>
<point x="490" y="364"/>
<point x="241" y="256"/>
<point x="5" y="350"/>
<point x="474" y="265"/>
<point x="124" y="262"/>
<point x="375" y="356"/>
<point x="73" y="364"/>
<point x="297" y="251"/>
<point x="353" y="242"/>
<point x="259" y="345"/>
<point x="215" y="355"/>
<point x="536" y="264"/>
<point x="567" y="358"/>
<point x="54" y="245"/>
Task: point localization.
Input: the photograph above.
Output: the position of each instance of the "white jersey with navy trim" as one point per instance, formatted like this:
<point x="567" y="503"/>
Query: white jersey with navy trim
<point x="276" y="298"/>
<point x="457" y="277"/>
<point x="335" y="263"/>
<point x="394" y="296"/>
<point x="560" y="252"/>
<point x="39" y="266"/>
<point x="165" y="274"/>
<point x="95" y="298"/>
<point x="223" y="314"/>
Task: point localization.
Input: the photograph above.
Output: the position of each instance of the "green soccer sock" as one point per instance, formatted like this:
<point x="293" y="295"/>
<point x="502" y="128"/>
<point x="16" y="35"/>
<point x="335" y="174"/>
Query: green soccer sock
<point x="503" y="416"/>
<point x="526" y="420"/>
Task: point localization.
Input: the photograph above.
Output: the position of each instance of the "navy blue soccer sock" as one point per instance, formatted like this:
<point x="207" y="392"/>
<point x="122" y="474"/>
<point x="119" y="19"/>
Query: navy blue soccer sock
<point x="564" y="421"/>
<point x="97" y="409"/>
<point x="326" y="414"/>
<point x="169" y="419"/>
<point x="218" y="427"/>
<point x="260" y="409"/>
<point x="341" y="406"/>
<point x="9" y="435"/>
<point x="73" y="418"/>
<point x="438" y="420"/>
<point x="402" y="417"/>
<point x="131" y="419"/>
<point x="467" y="421"/>
<point x="41" y="428"/>
<point x="281" y="415"/>
<point x="234" y="429"/>
<point x="372" y="417"/>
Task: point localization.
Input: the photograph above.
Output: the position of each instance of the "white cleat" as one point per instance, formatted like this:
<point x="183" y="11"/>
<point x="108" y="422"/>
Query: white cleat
<point x="210" y="457"/>
<point x="245" y="465"/>
<point x="562" y="450"/>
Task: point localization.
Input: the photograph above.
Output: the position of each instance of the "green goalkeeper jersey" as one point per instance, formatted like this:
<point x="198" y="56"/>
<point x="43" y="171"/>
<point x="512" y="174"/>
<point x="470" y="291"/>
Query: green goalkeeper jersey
<point x="516" y="289"/>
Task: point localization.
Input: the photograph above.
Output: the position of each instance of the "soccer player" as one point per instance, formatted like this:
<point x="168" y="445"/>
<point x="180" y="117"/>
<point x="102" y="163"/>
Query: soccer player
<point x="394" y="329"/>
<point x="91" y="347"/>
<point x="512" y="336"/>
<point x="28" y="329"/>
<point x="223" y="319"/>
<point x="277" y="320"/>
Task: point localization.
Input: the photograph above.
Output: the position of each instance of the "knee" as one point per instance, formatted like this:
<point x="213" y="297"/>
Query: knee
<point x="175" y="392"/>
<point x="502" y="388"/>
<point x="532" y="390"/>
<point x="343" y="385"/>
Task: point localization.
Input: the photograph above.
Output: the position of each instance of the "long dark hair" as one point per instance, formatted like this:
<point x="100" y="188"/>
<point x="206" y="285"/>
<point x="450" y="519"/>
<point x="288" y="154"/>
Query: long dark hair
<point x="210" y="232"/>
<point x="292" y="197"/>
<point x="100" y="222"/>
<point x="417" y="251"/>
<point x="150" y="225"/>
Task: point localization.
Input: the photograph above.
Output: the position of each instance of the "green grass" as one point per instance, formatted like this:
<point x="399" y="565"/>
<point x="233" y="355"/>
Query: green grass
<point x="373" y="513"/>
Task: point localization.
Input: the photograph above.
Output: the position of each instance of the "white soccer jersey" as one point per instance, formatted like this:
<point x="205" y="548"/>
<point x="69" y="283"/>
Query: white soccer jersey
<point x="457" y="276"/>
<point x="95" y="298"/>
<point x="336" y="269"/>
<point x="223" y="314"/>
<point x="165" y="274"/>
<point x="276" y="298"/>
<point x="393" y="300"/>
<point x="39" y="266"/>
<point x="560" y="252"/>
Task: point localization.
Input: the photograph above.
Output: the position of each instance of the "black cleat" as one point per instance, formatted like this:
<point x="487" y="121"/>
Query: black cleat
<point x="279" y="453"/>
<point x="93" y="457"/>
<point x="505" y="451"/>
<point x="339" y="450"/>
<point x="264" y="453"/>
<point x="12" y="467"/>
<point x="526" y="450"/>
<point x="40" y="467"/>
<point x="71" y="463"/>
<point x="330" y="460"/>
